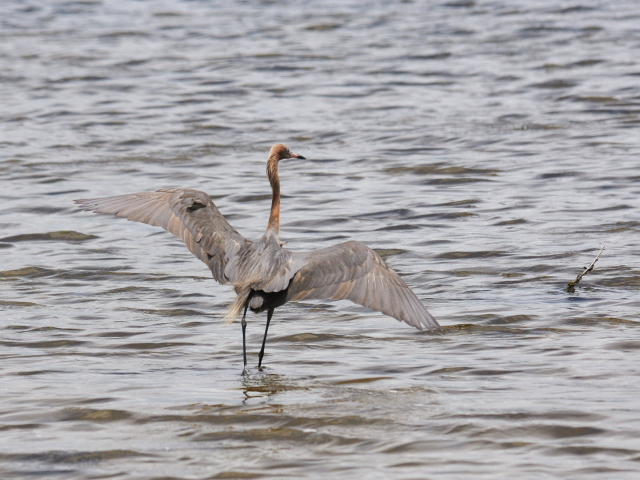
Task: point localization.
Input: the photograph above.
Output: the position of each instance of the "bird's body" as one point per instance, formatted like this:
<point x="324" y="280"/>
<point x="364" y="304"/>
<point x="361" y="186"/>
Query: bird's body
<point x="266" y="275"/>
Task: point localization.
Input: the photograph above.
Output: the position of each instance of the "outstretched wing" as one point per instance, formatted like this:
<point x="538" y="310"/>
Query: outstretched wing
<point x="190" y="215"/>
<point x="353" y="271"/>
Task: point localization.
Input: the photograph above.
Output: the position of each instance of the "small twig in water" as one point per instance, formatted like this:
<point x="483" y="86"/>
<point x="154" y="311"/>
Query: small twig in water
<point x="572" y="284"/>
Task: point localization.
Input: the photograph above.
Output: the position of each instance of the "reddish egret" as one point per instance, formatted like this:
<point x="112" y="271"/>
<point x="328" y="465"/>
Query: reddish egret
<point x="264" y="274"/>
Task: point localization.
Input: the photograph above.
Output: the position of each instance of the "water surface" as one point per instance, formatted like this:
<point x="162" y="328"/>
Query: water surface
<point x="487" y="149"/>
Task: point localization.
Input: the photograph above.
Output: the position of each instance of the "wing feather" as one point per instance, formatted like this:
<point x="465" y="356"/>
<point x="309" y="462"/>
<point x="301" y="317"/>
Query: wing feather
<point x="190" y="215"/>
<point x="353" y="271"/>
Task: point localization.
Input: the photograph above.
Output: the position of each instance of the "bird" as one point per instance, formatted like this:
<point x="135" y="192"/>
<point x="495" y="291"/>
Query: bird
<point x="265" y="275"/>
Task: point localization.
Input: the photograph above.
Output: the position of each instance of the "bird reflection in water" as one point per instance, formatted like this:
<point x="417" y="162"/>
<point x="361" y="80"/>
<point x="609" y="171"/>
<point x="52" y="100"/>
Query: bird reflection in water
<point x="263" y="385"/>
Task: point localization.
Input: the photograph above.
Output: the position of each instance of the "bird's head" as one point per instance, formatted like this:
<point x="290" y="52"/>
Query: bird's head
<point x="282" y="152"/>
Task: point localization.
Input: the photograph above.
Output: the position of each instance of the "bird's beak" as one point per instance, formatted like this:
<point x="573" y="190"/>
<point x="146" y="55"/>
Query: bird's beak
<point x="295" y="155"/>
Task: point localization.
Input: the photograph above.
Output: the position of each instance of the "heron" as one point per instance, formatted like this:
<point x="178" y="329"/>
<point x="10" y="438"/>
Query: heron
<point x="265" y="275"/>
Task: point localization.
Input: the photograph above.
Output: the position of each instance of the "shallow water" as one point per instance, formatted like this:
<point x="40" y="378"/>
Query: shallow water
<point x="487" y="149"/>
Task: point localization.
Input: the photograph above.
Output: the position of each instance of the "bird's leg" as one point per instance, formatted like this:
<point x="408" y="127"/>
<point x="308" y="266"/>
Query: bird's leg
<point x="244" y="341"/>
<point x="264" y="340"/>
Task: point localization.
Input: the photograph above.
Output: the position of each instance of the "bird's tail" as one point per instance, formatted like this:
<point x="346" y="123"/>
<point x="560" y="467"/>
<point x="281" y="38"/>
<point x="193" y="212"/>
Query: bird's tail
<point x="242" y="295"/>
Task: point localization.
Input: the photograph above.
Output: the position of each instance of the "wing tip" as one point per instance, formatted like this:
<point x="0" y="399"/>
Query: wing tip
<point x="84" y="203"/>
<point x="430" y="323"/>
<point x="423" y="321"/>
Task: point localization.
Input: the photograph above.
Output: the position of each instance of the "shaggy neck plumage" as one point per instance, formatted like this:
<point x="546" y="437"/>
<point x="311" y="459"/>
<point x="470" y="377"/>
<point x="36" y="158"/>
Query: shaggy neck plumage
<point x="274" y="180"/>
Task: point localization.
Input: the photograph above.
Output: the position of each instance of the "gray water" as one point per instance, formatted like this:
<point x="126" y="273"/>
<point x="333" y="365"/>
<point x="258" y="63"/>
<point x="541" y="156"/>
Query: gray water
<point x="486" y="149"/>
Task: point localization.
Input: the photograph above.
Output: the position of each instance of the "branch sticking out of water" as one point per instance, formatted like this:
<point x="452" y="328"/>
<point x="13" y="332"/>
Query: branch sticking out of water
<point x="572" y="284"/>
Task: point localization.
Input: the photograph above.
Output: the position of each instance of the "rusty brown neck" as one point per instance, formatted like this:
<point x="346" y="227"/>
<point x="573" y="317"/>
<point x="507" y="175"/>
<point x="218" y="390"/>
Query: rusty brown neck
<point x="274" y="180"/>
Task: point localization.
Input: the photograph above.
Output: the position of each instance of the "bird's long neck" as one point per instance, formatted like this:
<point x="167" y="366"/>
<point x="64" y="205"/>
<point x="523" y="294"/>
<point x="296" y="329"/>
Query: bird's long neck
<point x="274" y="180"/>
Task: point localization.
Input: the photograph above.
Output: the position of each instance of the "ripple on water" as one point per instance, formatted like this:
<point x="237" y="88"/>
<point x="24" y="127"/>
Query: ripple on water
<point x="65" y="236"/>
<point x="487" y="151"/>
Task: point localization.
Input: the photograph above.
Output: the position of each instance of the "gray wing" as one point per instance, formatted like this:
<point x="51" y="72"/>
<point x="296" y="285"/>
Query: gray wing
<point x="353" y="271"/>
<point x="190" y="215"/>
